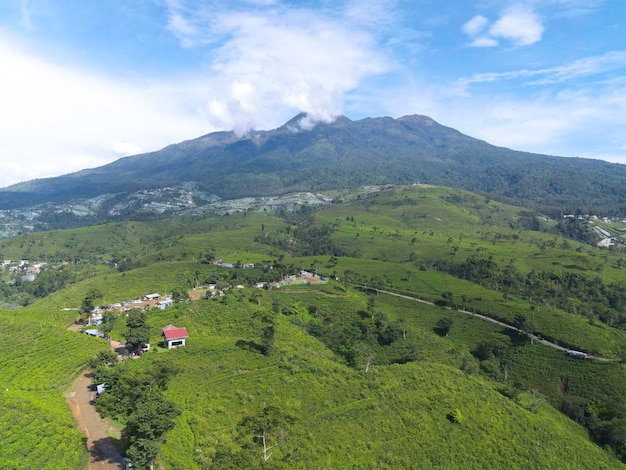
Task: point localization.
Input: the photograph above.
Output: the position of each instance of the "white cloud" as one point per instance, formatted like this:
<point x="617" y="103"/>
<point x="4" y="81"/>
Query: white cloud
<point x="475" y="26"/>
<point x="55" y="120"/>
<point x="518" y="25"/>
<point x="584" y="122"/>
<point x="264" y="62"/>
<point x="612" y="60"/>
<point x="278" y="62"/>
<point x="26" y="21"/>
<point x="484" y="41"/>
<point x="580" y="68"/>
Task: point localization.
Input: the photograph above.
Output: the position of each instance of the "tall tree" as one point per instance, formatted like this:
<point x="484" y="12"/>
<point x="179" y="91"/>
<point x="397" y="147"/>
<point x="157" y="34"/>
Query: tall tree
<point x="138" y="332"/>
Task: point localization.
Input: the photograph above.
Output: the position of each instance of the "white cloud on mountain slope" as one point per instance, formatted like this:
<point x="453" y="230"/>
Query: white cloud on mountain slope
<point x="277" y="61"/>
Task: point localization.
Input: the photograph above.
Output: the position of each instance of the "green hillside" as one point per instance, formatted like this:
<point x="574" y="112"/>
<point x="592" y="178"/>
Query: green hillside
<point x="337" y="373"/>
<point x="39" y="361"/>
<point x="425" y="413"/>
<point x="344" y="155"/>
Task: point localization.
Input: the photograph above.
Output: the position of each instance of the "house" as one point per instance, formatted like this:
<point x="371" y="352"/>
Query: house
<point x="151" y="297"/>
<point x="163" y="304"/>
<point x="174" y="337"/>
<point x="605" y="243"/>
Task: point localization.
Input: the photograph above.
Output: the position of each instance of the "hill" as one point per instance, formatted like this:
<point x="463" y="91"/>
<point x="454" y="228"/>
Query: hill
<point x="343" y="155"/>
<point x="335" y="372"/>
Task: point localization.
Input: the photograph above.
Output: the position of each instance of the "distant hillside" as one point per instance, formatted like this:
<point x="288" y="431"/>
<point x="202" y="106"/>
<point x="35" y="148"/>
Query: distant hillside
<point x="342" y="155"/>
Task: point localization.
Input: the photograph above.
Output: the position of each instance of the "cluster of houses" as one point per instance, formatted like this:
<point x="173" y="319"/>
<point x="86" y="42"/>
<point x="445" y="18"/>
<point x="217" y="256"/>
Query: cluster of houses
<point x="607" y="238"/>
<point x="24" y="267"/>
<point x="147" y="301"/>
<point x="96" y="317"/>
<point x="173" y="336"/>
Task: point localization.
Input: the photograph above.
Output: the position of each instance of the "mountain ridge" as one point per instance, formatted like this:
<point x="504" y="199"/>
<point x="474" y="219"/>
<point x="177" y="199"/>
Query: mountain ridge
<point x="344" y="154"/>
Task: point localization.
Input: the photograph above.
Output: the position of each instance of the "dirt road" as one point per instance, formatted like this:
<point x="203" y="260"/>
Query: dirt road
<point x="104" y="455"/>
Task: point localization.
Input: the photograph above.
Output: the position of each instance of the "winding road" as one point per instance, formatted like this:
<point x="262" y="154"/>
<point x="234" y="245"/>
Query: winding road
<point x="489" y="319"/>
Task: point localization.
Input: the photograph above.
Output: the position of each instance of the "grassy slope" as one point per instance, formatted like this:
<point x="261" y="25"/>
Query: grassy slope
<point x="439" y="220"/>
<point x="222" y="382"/>
<point x="39" y="360"/>
<point x="392" y="417"/>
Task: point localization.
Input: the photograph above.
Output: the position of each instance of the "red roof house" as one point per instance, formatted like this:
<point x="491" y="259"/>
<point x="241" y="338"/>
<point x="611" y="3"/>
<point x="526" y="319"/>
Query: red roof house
<point x="174" y="337"/>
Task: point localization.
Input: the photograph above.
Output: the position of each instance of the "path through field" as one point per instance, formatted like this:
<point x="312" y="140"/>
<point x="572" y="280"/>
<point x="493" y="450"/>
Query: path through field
<point x="104" y="455"/>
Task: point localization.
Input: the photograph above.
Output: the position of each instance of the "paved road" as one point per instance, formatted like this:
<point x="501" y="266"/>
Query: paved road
<point x="492" y="320"/>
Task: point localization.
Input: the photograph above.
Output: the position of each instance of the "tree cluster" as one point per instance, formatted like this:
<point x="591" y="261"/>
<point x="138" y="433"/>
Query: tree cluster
<point x="136" y="398"/>
<point x="138" y="331"/>
<point x="573" y="292"/>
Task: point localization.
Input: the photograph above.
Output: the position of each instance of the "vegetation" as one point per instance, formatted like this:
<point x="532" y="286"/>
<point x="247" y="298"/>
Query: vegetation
<point x="40" y="360"/>
<point x="135" y="396"/>
<point x="138" y="332"/>
<point x="329" y="368"/>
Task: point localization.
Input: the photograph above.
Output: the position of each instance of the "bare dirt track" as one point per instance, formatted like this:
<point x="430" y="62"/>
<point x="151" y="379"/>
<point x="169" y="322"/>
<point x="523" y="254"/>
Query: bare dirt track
<point x="104" y="455"/>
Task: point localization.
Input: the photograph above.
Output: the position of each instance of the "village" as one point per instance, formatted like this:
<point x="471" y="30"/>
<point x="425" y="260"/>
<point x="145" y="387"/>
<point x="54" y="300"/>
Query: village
<point x="174" y="337"/>
<point x="610" y="231"/>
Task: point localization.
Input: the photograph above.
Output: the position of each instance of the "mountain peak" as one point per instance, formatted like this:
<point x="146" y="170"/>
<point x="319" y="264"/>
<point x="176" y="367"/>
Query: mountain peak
<point x="418" y="119"/>
<point x="304" y="121"/>
<point x="295" y="121"/>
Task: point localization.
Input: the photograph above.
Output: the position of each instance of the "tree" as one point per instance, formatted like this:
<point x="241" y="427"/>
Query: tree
<point x="209" y="257"/>
<point x="138" y="332"/>
<point x="522" y="323"/>
<point x="268" y="428"/>
<point x="267" y="340"/>
<point x="443" y="326"/>
<point x="104" y="358"/>
<point x="255" y="296"/>
<point x="142" y="453"/>
<point x="136" y="397"/>
<point x="389" y="334"/>
<point x="180" y="295"/>
<point x="88" y="303"/>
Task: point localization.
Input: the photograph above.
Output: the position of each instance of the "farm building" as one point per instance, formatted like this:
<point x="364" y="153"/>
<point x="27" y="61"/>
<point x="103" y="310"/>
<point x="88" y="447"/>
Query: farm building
<point x="174" y="337"/>
<point x="163" y="304"/>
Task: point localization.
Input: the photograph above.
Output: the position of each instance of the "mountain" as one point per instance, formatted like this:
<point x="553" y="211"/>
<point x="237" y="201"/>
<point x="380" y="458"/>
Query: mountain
<point x="341" y="155"/>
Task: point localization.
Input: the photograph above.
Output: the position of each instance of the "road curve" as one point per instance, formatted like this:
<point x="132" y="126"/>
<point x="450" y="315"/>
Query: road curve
<point x="492" y="320"/>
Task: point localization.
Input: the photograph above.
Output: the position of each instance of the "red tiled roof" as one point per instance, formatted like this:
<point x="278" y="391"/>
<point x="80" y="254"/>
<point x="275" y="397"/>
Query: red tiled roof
<point x="171" y="332"/>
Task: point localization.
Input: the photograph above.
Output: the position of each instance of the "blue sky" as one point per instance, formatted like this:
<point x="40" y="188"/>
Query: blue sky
<point x="86" y="82"/>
